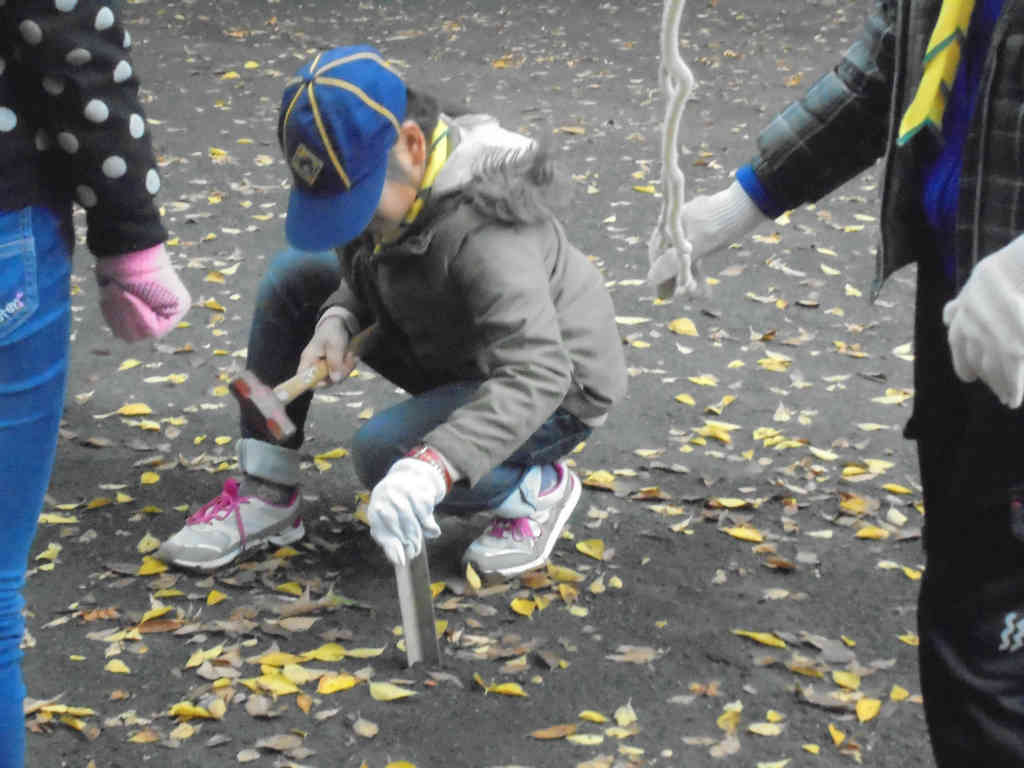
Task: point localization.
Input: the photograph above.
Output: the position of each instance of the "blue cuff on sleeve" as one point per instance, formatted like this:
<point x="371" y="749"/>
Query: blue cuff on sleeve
<point x="756" y="191"/>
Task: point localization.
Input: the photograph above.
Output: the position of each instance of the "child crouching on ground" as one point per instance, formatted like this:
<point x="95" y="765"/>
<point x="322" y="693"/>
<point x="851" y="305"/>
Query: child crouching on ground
<point x="500" y="330"/>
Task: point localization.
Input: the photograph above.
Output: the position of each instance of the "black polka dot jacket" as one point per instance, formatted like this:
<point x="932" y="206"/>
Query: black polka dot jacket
<point x="71" y="126"/>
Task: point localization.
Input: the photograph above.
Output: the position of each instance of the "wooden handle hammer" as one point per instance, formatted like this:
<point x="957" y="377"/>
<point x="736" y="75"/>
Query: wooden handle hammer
<point x="271" y="403"/>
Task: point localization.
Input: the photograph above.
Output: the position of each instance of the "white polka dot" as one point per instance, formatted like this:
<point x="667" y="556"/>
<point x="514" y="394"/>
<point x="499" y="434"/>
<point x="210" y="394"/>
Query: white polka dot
<point x="66" y="5"/>
<point x="31" y="32"/>
<point x="136" y="126"/>
<point x="78" y="56"/>
<point x="42" y="141"/>
<point x="86" y="196"/>
<point x="127" y="42"/>
<point x="68" y="142"/>
<point x="114" y="167"/>
<point x="104" y="19"/>
<point x="152" y="181"/>
<point x="8" y="120"/>
<point x="122" y="71"/>
<point x="53" y="86"/>
<point x="96" y="111"/>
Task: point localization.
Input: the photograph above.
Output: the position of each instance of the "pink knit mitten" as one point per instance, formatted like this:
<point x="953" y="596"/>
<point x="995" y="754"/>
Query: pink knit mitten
<point x="140" y="293"/>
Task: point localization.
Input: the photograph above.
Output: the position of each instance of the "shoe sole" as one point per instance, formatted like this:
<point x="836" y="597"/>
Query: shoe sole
<point x="253" y="545"/>
<point x="567" y="509"/>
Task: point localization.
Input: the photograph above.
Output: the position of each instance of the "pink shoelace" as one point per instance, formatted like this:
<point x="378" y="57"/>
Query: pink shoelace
<point x="221" y="507"/>
<point x="516" y="527"/>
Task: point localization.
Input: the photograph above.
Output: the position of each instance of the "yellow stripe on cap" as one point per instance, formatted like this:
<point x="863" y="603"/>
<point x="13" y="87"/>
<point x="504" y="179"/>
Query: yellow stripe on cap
<point x="291" y="106"/>
<point x="350" y="58"/>
<point x="363" y="96"/>
<point x="326" y="139"/>
<point x="298" y="93"/>
<point x="941" y="60"/>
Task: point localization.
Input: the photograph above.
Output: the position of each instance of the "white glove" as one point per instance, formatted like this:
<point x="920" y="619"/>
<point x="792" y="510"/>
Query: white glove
<point x="709" y="223"/>
<point x="329" y="342"/>
<point x="401" y="509"/>
<point x="986" y="324"/>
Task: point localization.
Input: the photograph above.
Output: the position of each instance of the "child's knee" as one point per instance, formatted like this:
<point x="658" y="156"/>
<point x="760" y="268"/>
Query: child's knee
<point x="373" y="452"/>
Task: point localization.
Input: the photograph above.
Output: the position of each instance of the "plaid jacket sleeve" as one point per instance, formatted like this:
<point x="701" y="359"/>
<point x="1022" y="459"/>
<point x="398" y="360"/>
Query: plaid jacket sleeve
<point x="839" y="128"/>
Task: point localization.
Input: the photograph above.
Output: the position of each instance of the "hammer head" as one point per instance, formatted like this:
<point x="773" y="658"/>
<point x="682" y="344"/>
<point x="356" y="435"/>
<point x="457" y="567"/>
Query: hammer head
<point x="253" y="393"/>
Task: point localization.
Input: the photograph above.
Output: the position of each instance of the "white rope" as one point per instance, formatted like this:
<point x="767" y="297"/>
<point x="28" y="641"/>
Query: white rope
<point x="677" y="82"/>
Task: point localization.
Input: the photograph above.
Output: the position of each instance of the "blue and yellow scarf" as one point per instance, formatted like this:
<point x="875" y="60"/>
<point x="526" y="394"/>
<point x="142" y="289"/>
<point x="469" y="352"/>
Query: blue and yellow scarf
<point x="941" y="62"/>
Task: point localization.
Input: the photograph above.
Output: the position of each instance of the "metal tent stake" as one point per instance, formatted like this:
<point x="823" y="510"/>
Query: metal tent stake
<point x="417" y="605"/>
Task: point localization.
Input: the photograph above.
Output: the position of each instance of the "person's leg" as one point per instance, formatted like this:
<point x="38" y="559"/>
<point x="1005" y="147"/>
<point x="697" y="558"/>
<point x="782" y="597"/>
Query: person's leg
<point x="392" y="433"/>
<point x="971" y="629"/>
<point x="35" y="265"/>
<point x="971" y="603"/>
<point x="288" y="301"/>
<point x="531" y="494"/>
<point x="262" y="505"/>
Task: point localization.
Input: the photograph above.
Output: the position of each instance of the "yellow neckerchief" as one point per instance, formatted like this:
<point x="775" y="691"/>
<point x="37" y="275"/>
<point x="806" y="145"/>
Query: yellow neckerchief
<point x="437" y="156"/>
<point x="941" y="61"/>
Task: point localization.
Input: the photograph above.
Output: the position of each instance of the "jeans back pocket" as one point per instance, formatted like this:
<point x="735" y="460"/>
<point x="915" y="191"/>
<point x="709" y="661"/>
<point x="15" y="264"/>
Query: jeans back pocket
<point x="19" y="284"/>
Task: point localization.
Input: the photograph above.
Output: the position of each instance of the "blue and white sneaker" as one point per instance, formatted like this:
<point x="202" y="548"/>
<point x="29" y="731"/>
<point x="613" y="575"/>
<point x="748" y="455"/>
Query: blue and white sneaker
<point x="526" y="525"/>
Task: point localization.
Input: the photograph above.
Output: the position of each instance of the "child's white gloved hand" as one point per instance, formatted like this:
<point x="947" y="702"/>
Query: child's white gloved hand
<point x="329" y="342"/>
<point x="401" y="509"/>
<point x="709" y="222"/>
<point x="986" y="324"/>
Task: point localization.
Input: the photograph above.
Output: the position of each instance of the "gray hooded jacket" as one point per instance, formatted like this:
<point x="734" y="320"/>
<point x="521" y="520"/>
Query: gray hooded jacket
<point x="485" y="286"/>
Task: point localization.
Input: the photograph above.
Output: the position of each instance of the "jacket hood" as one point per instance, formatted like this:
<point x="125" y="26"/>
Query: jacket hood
<point x="505" y="175"/>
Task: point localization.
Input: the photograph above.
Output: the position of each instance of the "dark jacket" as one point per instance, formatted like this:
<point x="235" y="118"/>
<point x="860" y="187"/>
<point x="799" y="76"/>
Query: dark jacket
<point x="486" y="286"/>
<point x="71" y="126"/>
<point x="849" y="118"/>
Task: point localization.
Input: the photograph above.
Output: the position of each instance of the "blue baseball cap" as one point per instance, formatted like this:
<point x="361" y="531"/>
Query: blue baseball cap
<point x="337" y="123"/>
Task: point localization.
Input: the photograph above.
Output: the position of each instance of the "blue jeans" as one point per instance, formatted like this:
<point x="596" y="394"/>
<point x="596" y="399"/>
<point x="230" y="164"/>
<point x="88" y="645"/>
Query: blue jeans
<point x="392" y="433"/>
<point x="288" y="300"/>
<point x="35" y="317"/>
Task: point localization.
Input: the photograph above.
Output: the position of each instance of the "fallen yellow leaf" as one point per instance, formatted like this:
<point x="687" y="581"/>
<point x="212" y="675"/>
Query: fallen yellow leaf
<point x="383" y="691"/>
<point x="592" y="548"/>
<point x="151" y="566"/>
<point x="333" y="683"/>
<point x="473" y="577"/>
<point x="838" y="737"/>
<point x="118" y="667"/>
<point x="899" y="693"/>
<point x="744" y="533"/>
<point x="765" y="638"/>
<point x="845" y="679"/>
<point x="523" y="606"/>
<point x="683" y="326"/>
<point x="868" y="709"/>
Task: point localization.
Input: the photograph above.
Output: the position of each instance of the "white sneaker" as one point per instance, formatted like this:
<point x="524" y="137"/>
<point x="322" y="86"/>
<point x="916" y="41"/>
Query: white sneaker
<point x="229" y="526"/>
<point x="512" y="544"/>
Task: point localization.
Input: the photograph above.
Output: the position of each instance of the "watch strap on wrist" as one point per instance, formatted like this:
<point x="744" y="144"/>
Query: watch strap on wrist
<point x="432" y="457"/>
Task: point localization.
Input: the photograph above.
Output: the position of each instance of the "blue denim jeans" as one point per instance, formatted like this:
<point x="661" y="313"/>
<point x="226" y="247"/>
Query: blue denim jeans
<point x="288" y="300"/>
<point x="392" y="433"/>
<point x="35" y="265"/>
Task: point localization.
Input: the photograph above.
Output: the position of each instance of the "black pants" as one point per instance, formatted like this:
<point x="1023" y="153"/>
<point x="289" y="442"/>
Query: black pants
<point x="971" y="604"/>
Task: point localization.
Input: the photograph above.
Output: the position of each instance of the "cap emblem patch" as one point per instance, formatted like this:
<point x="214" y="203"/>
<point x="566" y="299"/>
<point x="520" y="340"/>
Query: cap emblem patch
<point x="306" y="165"/>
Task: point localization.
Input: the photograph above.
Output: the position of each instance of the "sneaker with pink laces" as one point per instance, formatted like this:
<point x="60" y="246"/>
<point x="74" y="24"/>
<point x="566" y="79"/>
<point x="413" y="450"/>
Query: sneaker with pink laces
<point x="230" y="526"/>
<point x="526" y="525"/>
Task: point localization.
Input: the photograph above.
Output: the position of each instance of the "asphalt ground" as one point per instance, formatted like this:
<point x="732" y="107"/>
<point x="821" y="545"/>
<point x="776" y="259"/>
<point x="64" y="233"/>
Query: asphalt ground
<point x="748" y="537"/>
